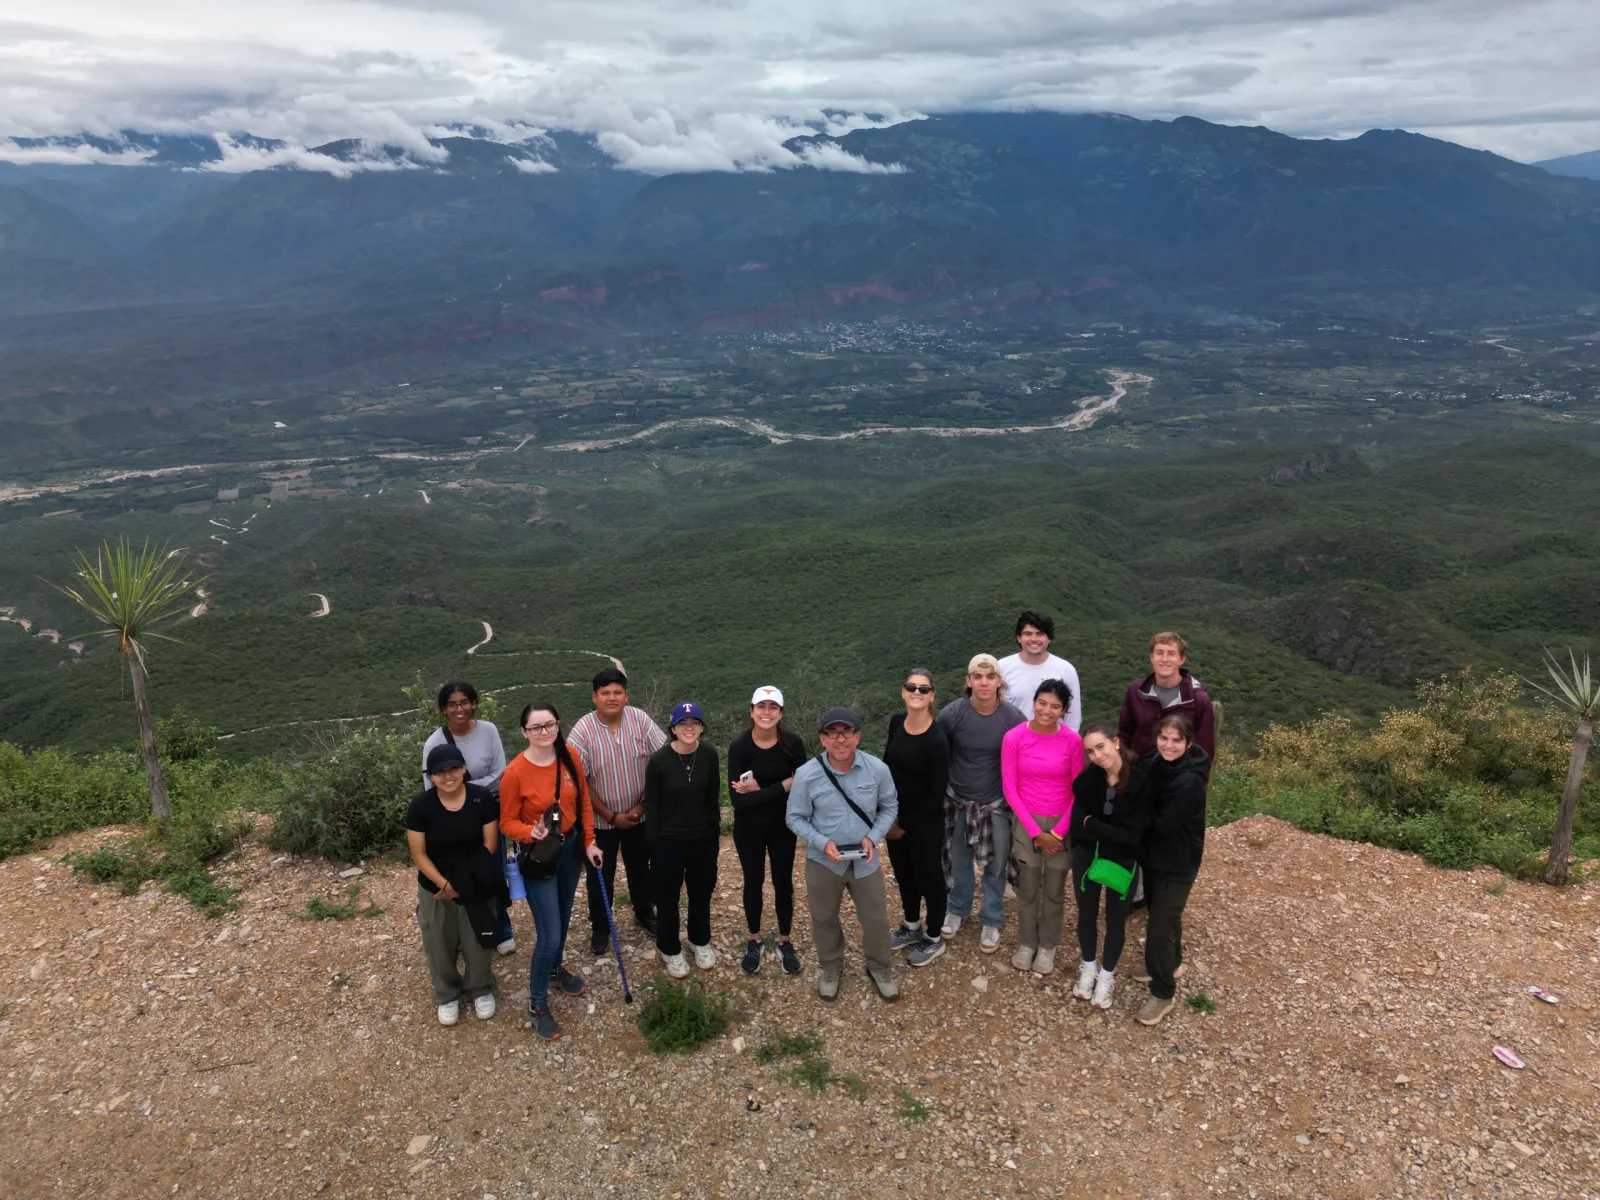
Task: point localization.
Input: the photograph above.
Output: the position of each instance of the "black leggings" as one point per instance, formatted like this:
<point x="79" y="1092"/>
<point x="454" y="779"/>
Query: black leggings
<point x="1087" y="892"/>
<point x="918" y="862"/>
<point x="758" y="836"/>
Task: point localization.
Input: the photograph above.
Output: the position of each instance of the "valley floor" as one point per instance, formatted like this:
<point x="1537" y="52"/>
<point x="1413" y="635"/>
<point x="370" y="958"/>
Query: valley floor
<point x="146" y="1051"/>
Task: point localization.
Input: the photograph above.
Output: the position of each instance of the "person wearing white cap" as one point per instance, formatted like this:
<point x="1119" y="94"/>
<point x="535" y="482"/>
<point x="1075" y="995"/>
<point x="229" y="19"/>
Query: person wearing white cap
<point x="761" y="765"/>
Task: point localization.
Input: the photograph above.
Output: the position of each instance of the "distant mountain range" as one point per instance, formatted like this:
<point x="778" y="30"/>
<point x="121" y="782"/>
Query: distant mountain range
<point x="961" y="214"/>
<point x="1580" y="166"/>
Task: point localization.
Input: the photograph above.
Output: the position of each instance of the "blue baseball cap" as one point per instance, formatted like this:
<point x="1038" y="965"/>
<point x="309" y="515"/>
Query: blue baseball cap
<point x="686" y="711"/>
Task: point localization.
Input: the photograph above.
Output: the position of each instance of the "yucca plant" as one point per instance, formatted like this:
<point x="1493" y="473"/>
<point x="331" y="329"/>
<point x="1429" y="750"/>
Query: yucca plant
<point x="1575" y="689"/>
<point x="129" y="592"/>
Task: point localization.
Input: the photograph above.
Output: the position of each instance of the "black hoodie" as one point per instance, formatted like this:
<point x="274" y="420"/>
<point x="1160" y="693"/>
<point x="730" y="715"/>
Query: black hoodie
<point x="1177" y="836"/>
<point x="1119" y="834"/>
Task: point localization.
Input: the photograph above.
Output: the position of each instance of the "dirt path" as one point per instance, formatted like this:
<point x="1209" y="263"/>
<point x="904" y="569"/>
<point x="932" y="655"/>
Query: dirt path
<point x="147" y="1052"/>
<point x="488" y="636"/>
<point x="325" y="608"/>
<point x="1088" y="410"/>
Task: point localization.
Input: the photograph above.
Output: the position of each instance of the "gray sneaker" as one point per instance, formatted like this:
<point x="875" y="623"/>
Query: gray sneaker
<point x="905" y="937"/>
<point x="1153" y="1009"/>
<point x="888" y="987"/>
<point x="828" y="983"/>
<point x="928" y="949"/>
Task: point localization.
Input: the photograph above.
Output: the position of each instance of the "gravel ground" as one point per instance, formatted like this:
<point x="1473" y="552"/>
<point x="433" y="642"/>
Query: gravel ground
<point x="145" y="1051"/>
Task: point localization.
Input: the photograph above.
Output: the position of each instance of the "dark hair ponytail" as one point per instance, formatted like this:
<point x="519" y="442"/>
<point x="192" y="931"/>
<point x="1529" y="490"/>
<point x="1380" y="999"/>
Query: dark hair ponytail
<point x="563" y="755"/>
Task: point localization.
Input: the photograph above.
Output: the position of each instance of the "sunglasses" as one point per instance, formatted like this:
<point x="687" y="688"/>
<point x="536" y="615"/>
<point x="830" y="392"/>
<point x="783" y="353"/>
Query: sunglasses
<point x="921" y="689"/>
<point x="1111" y="802"/>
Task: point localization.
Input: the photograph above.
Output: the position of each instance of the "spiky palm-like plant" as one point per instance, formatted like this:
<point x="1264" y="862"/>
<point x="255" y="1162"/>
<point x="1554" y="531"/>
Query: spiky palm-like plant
<point x="1575" y="689"/>
<point x="129" y="592"/>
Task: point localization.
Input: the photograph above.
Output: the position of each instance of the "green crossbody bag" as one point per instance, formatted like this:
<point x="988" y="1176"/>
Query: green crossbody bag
<point x="1109" y="874"/>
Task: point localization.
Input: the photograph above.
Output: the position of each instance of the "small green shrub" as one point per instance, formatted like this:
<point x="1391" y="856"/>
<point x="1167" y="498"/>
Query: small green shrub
<point x="678" y="1019"/>
<point x="318" y="909"/>
<point x="350" y="802"/>
<point x="910" y="1109"/>
<point x="1202" y="1002"/>
<point x="813" y="1070"/>
<point x="789" y="1045"/>
<point x="178" y="858"/>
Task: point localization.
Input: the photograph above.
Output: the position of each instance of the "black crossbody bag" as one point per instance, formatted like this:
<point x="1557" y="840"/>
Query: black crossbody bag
<point x="839" y="787"/>
<point x="537" y="860"/>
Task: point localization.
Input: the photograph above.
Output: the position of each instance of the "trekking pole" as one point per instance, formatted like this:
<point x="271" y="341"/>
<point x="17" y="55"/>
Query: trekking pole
<point x="616" y="946"/>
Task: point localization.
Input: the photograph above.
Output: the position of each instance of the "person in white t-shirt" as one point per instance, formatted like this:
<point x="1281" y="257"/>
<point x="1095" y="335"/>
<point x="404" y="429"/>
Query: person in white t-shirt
<point x="1033" y="664"/>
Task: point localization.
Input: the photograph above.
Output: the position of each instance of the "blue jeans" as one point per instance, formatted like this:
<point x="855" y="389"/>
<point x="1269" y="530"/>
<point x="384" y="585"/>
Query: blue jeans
<point x="550" y="900"/>
<point x="994" y="874"/>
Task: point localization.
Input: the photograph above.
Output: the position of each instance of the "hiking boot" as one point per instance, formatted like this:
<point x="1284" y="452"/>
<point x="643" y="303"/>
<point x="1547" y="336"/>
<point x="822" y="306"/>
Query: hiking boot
<point x="483" y="1006"/>
<point x="928" y="949"/>
<point x="599" y="941"/>
<point x="888" y="987"/>
<point x="450" y="1013"/>
<point x="828" y="983"/>
<point x="989" y="939"/>
<point x="572" y="985"/>
<point x="905" y="937"/>
<point x="543" y="1023"/>
<point x="790" y="958"/>
<point x="675" y="965"/>
<point x="1104" y="984"/>
<point x="1023" y="958"/>
<point x="1143" y="974"/>
<point x="1087" y="974"/>
<point x="952" y="926"/>
<point x="1044" y="962"/>
<point x="1153" y="1009"/>
<point x="755" y="950"/>
<point x="704" y="956"/>
<point x="509" y="946"/>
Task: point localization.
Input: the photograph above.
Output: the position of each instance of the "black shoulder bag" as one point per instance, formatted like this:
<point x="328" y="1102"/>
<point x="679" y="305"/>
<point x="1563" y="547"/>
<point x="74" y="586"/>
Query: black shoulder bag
<point x="822" y="761"/>
<point x="537" y="859"/>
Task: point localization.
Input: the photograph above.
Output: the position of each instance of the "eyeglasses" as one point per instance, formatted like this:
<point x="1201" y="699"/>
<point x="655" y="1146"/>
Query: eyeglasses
<point x="921" y="689"/>
<point x="841" y="733"/>
<point x="461" y="704"/>
<point x="547" y="727"/>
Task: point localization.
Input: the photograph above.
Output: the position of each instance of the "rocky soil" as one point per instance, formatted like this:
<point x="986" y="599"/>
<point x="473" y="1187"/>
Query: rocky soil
<point x="146" y="1051"/>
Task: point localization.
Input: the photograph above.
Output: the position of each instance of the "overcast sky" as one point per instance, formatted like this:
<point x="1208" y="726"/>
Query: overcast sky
<point x="715" y="83"/>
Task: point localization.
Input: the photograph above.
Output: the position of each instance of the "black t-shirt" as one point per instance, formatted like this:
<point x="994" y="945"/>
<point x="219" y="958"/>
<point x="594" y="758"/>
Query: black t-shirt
<point x="920" y="766"/>
<point x="449" y="838"/>
<point x="770" y="766"/>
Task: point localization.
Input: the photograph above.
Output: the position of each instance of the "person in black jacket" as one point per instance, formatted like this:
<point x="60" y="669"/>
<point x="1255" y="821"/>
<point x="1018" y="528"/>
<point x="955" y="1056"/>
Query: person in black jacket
<point x="448" y="825"/>
<point x="761" y="765"/>
<point x="918" y="757"/>
<point x="1178" y="770"/>
<point x="1110" y="814"/>
<point x="683" y="817"/>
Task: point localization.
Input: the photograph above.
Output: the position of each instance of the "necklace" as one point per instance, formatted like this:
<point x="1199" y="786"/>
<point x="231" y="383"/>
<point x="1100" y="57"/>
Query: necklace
<point x="688" y="763"/>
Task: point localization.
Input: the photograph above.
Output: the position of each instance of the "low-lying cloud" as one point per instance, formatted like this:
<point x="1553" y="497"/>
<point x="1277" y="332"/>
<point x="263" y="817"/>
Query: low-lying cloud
<point x="677" y="85"/>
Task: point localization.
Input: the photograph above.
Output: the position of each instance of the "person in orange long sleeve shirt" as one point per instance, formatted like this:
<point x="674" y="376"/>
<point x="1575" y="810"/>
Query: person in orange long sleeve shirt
<point x="549" y="773"/>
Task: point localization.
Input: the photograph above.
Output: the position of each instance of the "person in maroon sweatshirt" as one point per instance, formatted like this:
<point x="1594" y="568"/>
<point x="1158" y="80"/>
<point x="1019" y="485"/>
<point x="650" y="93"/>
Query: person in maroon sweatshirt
<point x="1168" y="689"/>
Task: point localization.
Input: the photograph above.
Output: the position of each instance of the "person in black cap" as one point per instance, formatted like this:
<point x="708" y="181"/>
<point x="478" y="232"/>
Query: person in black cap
<point x="841" y="804"/>
<point x="683" y="815"/>
<point x="446" y="826"/>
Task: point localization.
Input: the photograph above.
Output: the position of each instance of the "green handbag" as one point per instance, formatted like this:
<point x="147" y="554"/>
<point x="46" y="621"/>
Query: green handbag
<point x="1108" y="874"/>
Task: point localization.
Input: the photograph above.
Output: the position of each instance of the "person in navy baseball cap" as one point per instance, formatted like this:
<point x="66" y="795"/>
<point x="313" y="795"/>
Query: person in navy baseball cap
<point x="683" y="815"/>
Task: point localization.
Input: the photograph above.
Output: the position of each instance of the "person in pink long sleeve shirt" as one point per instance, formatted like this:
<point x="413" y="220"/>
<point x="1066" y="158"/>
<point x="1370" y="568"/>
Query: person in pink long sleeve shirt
<point x="1038" y="762"/>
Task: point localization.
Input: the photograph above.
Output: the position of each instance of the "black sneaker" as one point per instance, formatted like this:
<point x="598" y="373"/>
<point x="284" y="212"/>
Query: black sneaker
<point x="572" y="985"/>
<point x="755" y="950"/>
<point x="647" y="921"/>
<point x="543" y="1023"/>
<point x="790" y="958"/>
<point x="599" y="941"/>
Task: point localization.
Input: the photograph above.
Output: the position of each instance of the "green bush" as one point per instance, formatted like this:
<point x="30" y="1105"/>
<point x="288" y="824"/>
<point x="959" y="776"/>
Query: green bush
<point x="318" y="909"/>
<point x="678" y="1019"/>
<point x="178" y="858"/>
<point x="350" y="802"/>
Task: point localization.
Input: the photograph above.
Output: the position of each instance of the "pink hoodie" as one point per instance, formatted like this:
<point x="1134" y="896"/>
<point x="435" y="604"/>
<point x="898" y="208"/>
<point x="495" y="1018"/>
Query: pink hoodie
<point x="1036" y="773"/>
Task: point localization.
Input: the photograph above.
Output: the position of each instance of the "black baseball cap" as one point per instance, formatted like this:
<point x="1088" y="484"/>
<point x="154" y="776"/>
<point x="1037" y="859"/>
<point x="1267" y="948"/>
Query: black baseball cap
<point x="838" y="715"/>
<point x="443" y="757"/>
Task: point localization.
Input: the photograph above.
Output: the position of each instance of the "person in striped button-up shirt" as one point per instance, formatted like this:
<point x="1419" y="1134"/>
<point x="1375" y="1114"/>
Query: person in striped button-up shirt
<point x="615" y="742"/>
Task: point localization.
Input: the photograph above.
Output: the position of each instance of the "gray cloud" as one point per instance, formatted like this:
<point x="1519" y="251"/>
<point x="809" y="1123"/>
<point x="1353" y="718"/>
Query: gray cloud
<point x="721" y="84"/>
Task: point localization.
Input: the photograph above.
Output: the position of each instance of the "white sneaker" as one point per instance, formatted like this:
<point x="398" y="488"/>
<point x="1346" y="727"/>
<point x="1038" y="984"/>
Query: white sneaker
<point x="1023" y="958"/>
<point x="1104" y="985"/>
<point x="989" y="939"/>
<point x="704" y="956"/>
<point x="952" y="925"/>
<point x="483" y="1007"/>
<point x="509" y="946"/>
<point x="1044" y="962"/>
<point x="450" y="1013"/>
<point x="675" y="965"/>
<point x="1087" y="973"/>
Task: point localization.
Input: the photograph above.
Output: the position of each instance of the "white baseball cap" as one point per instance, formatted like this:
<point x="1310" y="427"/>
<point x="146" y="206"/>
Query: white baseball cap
<point x="767" y="693"/>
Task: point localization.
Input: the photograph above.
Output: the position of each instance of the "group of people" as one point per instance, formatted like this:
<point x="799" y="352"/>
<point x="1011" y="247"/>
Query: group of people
<point x="1002" y="787"/>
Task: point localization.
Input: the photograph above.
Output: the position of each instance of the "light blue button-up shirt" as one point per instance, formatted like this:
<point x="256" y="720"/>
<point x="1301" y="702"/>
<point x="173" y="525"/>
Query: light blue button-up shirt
<point x="819" y="815"/>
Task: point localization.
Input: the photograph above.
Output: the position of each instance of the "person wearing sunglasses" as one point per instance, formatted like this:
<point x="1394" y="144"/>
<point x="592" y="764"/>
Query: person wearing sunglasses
<point x="1038" y="762"/>
<point x="478" y="742"/>
<point x="918" y="757"/>
<point x="1111" y="813"/>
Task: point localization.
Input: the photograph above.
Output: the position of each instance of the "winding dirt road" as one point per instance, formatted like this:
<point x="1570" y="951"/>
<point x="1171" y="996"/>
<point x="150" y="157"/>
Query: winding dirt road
<point x="488" y="636"/>
<point x="324" y="610"/>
